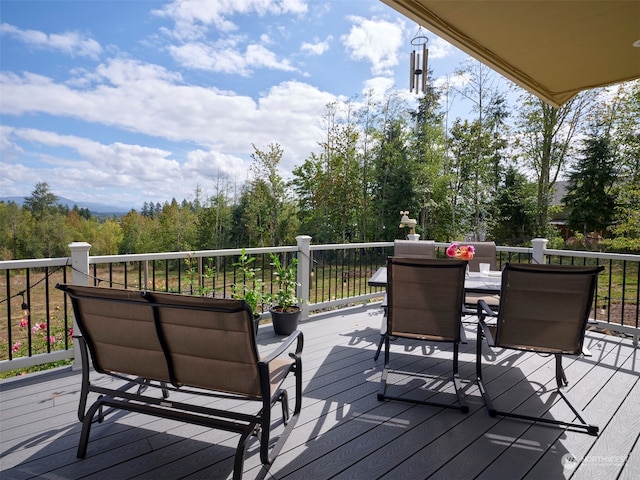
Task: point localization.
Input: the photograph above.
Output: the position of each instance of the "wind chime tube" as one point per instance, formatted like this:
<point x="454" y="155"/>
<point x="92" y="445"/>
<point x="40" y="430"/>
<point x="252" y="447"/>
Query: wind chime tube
<point x="412" y="71"/>
<point x="425" y="54"/>
<point x="417" y="72"/>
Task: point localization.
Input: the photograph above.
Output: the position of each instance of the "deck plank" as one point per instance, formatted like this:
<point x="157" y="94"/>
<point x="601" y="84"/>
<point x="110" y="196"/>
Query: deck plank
<point x="344" y="432"/>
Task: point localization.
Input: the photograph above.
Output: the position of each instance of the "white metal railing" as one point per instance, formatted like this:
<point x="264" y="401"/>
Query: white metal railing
<point x="80" y="262"/>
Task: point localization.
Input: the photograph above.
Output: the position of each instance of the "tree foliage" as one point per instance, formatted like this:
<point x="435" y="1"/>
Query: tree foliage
<point x="546" y="143"/>
<point x="484" y="177"/>
<point x="590" y="197"/>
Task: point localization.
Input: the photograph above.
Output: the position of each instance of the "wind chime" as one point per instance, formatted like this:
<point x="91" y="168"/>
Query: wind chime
<point x="418" y="75"/>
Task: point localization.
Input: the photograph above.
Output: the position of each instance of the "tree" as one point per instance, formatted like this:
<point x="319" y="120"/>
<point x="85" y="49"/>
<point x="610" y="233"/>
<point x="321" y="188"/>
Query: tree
<point x="267" y="212"/>
<point x="515" y="210"/>
<point x="12" y="229"/>
<point x="109" y="238"/>
<point x="175" y="228"/>
<point x="395" y="177"/>
<point x="482" y="147"/>
<point x="329" y="184"/>
<point x="136" y="233"/>
<point x="42" y="201"/>
<point x="589" y="194"/>
<point x="621" y="113"/>
<point x="214" y="221"/>
<point x="471" y="178"/>
<point x="545" y="141"/>
<point x="428" y="147"/>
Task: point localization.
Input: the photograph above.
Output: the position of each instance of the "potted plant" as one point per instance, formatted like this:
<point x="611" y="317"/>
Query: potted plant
<point x="251" y="289"/>
<point x="285" y="310"/>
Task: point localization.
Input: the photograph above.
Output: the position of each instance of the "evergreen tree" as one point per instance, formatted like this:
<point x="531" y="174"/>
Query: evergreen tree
<point x="589" y="195"/>
<point x="515" y="210"/>
<point x="42" y="201"/>
<point x="428" y="148"/>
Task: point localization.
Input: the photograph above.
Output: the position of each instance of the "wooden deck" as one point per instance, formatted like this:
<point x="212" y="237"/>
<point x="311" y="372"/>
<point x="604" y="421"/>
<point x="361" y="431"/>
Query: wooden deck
<point x="344" y="432"/>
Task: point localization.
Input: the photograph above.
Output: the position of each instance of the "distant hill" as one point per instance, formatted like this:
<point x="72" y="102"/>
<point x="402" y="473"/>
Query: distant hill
<point x="98" y="209"/>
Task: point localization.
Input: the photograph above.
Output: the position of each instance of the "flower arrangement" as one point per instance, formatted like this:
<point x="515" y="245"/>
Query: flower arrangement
<point x="463" y="252"/>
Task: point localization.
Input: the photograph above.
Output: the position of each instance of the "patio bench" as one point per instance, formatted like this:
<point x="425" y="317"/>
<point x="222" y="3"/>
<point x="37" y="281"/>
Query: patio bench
<point x="205" y="347"/>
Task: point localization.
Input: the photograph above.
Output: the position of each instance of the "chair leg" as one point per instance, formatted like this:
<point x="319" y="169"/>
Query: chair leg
<point x="375" y="357"/>
<point x="457" y="383"/>
<point x="485" y="396"/>
<point x="560" y="378"/>
<point x="382" y="395"/>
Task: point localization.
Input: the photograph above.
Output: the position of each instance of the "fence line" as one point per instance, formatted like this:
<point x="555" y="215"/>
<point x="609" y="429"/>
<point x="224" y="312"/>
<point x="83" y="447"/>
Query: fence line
<point x="330" y="276"/>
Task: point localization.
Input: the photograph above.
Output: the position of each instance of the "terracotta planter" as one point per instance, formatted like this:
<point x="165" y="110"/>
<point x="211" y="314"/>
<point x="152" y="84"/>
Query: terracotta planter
<point x="284" y="323"/>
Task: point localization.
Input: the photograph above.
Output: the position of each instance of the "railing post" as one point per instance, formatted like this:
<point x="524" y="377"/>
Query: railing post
<point x="79" y="276"/>
<point x="304" y="273"/>
<point x="539" y="246"/>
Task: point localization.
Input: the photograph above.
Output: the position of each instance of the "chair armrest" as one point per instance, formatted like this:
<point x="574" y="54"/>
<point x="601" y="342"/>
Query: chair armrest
<point x="485" y="311"/>
<point x="295" y="336"/>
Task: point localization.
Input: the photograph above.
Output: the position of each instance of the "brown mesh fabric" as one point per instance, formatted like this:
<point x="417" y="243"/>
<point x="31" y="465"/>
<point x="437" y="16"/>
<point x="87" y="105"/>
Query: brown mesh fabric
<point x="545" y="307"/>
<point x="413" y="249"/>
<point x="485" y="252"/>
<point x="210" y="341"/>
<point x="278" y="370"/>
<point x="425" y="298"/>
<point x="121" y="336"/>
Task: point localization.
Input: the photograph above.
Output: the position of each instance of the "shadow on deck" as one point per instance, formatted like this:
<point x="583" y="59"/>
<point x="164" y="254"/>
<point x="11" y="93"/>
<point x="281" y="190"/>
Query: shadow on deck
<point x="344" y="432"/>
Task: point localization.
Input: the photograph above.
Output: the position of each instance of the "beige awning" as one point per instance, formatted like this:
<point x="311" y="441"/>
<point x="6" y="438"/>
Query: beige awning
<point x="552" y="48"/>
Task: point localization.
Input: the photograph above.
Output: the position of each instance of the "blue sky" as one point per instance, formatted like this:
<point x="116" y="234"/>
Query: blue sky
<point x="126" y="101"/>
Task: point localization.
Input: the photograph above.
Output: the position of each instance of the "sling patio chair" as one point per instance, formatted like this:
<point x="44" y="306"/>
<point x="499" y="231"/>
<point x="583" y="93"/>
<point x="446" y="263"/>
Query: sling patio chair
<point x="406" y="249"/>
<point x="424" y="303"/>
<point x="199" y="346"/>
<point x="543" y="309"/>
<point x="485" y="252"/>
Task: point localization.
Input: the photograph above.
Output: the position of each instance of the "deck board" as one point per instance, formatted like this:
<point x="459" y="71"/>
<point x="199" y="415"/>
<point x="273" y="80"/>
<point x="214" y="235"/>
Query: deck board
<point x="344" y="431"/>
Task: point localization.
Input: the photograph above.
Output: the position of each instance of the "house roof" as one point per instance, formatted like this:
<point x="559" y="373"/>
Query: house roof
<point x="554" y="49"/>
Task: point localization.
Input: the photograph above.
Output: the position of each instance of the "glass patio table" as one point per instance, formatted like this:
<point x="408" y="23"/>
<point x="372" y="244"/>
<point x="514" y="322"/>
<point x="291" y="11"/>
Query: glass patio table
<point x="473" y="283"/>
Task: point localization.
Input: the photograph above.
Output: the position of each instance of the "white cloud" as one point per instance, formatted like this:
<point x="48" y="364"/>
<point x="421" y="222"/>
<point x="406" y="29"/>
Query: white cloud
<point x="378" y="85"/>
<point x="87" y="170"/>
<point x="439" y="49"/>
<point x="259" y="56"/>
<point x="190" y="16"/>
<point x="149" y="99"/>
<point x="202" y="56"/>
<point x="70" y="43"/>
<point x="318" y="47"/>
<point x="225" y="57"/>
<point x="375" y="41"/>
<point x="210" y="164"/>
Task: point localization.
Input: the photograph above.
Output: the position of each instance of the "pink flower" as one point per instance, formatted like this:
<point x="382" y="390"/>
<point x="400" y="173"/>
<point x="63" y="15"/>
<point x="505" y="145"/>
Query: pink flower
<point x="452" y="250"/>
<point x="24" y="322"/>
<point x="16" y="346"/>
<point x="39" y="326"/>
<point x="52" y="340"/>
<point x="71" y="332"/>
<point x="465" y="252"/>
